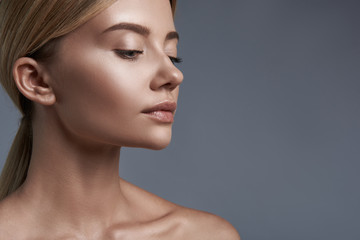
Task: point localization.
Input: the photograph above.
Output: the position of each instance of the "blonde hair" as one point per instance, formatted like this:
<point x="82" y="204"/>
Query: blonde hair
<point x="31" y="28"/>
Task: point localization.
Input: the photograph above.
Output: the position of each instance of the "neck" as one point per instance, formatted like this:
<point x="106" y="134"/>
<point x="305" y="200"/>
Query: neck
<point x="73" y="182"/>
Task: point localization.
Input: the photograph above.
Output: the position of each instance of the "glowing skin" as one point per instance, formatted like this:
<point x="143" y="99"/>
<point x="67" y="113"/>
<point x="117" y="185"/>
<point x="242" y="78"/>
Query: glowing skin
<point x="91" y="99"/>
<point x="100" y="95"/>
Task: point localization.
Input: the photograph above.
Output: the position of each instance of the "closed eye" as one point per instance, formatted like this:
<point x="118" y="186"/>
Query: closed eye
<point x="175" y="59"/>
<point x="128" y="54"/>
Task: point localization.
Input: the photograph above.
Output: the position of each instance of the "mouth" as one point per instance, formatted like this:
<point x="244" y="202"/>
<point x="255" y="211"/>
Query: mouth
<point x="163" y="112"/>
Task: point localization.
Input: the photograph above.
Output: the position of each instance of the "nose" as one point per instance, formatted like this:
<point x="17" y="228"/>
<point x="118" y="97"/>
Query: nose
<point x="168" y="75"/>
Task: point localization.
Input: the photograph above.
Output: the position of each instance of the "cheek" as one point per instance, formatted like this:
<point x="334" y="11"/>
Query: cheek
<point x="100" y="99"/>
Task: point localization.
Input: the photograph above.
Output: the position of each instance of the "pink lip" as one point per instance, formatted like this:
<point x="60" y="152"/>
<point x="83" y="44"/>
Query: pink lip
<point x="163" y="112"/>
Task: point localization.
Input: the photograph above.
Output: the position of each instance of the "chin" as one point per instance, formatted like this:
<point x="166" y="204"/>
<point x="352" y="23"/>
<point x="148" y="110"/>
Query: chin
<point x="154" y="140"/>
<point x="158" y="142"/>
<point x="153" y="145"/>
<point x="158" y="138"/>
<point x="158" y="146"/>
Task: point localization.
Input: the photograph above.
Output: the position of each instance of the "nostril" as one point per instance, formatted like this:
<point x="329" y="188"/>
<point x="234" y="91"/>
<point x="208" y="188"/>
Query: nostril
<point x="169" y="86"/>
<point x="167" y="76"/>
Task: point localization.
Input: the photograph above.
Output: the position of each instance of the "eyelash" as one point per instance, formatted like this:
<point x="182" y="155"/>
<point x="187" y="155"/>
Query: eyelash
<point x="175" y="59"/>
<point x="135" y="53"/>
<point x="125" y="54"/>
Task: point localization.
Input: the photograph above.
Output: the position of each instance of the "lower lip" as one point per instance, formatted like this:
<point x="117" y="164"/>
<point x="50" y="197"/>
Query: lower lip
<point x="162" y="116"/>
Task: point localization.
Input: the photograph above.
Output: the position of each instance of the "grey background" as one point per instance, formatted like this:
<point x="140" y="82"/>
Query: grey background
<point x="268" y="127"/>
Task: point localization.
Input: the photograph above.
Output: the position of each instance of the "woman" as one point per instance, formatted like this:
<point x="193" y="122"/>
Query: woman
<point x="90" y="76"/>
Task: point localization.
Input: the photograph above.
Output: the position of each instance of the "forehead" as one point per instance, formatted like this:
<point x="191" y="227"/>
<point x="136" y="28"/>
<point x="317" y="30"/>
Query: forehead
<point x="155" y="14"/>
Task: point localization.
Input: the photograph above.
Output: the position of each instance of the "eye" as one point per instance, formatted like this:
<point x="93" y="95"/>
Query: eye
<point x="175" y="59"/>
<point x="128" y="54"/>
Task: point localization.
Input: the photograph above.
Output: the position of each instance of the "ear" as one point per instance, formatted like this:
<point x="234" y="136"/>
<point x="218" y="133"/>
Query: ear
<point x="32" y="81"/>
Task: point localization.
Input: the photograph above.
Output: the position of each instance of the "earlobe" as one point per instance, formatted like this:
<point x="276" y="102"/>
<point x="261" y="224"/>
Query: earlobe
<point x="30" y="79"/>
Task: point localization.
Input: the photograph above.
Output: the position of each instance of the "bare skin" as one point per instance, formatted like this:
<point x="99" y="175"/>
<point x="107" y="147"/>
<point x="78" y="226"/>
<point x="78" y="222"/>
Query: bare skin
<point x="89" y="102"/>
<point x="157" y="219"/>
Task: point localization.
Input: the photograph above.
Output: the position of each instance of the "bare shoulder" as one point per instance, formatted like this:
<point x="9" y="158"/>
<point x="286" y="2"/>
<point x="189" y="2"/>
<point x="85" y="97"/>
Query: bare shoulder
<point x="185" y="223"/>
<point x="14" y="219"/>
<point x="7" y="219"/>
<point x="5" y="212"/>
<point x="204" y="225"/>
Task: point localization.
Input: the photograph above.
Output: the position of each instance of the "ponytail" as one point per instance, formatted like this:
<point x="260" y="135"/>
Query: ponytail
<point x="15" y="169"/>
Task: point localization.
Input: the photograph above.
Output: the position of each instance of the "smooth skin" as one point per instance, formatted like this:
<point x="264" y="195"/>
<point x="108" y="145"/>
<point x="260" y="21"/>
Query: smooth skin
<point x="89" y="101"/>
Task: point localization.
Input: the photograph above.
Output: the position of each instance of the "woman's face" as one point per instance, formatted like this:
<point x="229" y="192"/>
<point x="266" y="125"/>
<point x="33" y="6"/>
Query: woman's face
<point x="110" y="75"/>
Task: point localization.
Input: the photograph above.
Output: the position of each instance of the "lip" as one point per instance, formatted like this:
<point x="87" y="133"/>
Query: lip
<point x="162" y="112"/>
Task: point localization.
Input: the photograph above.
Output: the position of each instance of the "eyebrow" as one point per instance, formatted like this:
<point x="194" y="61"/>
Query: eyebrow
<point x="172" y="35"/>
<point x="140" y="29"/>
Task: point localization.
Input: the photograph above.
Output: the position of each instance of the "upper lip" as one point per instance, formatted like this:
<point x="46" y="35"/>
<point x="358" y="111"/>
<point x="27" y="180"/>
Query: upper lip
<point x="168" y="106"/>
